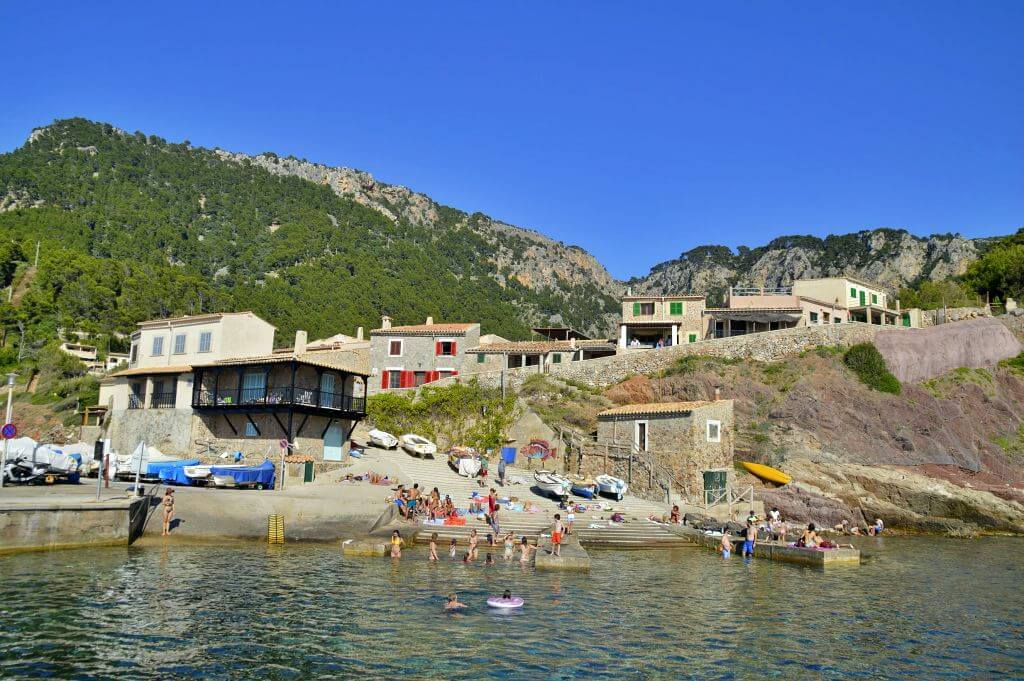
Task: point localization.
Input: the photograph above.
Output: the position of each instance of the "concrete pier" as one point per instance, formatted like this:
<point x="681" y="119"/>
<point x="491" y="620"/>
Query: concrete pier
<point x="821" y="558"/>
<point x="573" y="555"/>
<point x="69" y="521"/>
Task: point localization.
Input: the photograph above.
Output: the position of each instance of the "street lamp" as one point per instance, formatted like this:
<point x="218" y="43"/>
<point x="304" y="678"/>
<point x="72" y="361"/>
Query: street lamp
<point x="10" y="406"/>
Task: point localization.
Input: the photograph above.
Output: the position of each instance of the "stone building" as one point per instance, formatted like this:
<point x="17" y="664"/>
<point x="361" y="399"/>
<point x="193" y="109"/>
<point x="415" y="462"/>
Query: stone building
<point x="560" y="345"/>
<point x="410" y="356"/>
<point x="650" y="321"/>
<point x="214" y="383"/>
<point x="693" y="440"/>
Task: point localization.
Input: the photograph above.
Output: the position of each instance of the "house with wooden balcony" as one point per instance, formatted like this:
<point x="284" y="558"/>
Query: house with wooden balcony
<point x="214" y="383"/>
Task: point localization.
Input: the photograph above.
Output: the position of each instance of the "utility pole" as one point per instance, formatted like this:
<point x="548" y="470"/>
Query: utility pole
<point x="38" y="243"/>
<point x="10" y="408"/>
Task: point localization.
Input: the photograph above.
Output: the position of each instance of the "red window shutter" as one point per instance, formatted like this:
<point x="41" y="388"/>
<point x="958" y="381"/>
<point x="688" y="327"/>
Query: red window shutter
<point x="455" y="373"/>
<point x="410" y="379"/>
<point x="437" y="348"/>
<point x="454" y="351"/>
<point x="383" y="379"/>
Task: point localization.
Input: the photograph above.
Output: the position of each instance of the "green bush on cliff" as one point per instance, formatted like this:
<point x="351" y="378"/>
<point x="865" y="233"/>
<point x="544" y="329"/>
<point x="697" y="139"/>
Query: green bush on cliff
<point x="864" y="360"/>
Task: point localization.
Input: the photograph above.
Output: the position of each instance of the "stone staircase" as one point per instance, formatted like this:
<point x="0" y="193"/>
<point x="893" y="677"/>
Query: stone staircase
<point x="592" y="527"/>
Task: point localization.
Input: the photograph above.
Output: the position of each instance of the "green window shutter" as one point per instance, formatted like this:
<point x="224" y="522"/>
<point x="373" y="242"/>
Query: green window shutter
<point x="636" y="309"/>
<point x="853" y="292"/>
<point x="874" y="299"/>
<point x="556" y="358"/>
<point x="480" y="358"/>
<point x="693" y="338"/>
<point x="675" y="308"/>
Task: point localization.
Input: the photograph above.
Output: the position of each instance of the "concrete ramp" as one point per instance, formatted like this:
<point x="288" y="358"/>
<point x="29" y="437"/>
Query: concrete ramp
<point x="920" y="354"/>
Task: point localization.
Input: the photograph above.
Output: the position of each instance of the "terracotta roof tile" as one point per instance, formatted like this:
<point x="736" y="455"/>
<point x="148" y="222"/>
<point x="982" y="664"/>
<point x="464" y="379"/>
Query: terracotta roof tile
<point x="655" y="408"/>
<point x="414" y="329"/>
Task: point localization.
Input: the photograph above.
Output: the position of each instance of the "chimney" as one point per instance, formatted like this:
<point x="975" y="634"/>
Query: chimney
<point x="430" y="320"/>
<point x="718" y="393"/>
<point x="385" y="322"/>
<point x="359" y="333"/>
<point x="572" y="343"/>
<point x="300" y="342"/>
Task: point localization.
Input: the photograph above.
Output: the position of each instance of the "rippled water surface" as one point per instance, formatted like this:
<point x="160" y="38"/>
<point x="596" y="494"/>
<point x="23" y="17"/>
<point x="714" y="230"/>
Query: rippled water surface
<point x="927" y="608"/>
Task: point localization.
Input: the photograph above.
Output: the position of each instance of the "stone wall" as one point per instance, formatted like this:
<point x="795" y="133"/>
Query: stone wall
<point x="767" y="346"/>
<point x="169" y="430"/>
<point x="48" y="524"/>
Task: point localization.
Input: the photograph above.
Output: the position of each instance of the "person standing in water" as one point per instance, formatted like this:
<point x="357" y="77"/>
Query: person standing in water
<point x="726" y="544"/>
<point x="453" y="548"/>
<point x="473" y="541"/>
<point x="168" y="510"/>
<point x="526" y="549"/>
<point x="556" y="536"/>
<point x="433" y="547"/>
<point x="396" y="544"/>
<point x="749" y="539"/>
<point x="509" y="546"/>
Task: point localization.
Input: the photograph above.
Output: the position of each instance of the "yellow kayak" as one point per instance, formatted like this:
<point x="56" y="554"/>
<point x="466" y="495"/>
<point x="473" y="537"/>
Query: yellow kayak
<point x="766" y="472"/>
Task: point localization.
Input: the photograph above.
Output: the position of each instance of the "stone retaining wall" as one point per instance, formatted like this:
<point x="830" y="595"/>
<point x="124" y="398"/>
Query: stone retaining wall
<point x="767" y="346"/>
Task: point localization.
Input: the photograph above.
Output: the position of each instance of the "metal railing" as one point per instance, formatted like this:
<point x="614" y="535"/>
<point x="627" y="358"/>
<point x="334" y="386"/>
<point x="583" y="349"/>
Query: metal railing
<point x="164" y="400"/>
<point x="728" y="496"/>
<point x="757" y="291"/>
<point x="279" y="396"/>
<point x="135" y="402"/>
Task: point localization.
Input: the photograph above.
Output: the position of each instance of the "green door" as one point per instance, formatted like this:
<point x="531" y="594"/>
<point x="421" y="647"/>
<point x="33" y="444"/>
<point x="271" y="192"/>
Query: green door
<point x="862" y="298"/>
<point x="307" y="473"/>
<point x="715" y="483"/>
<point x="906" y="319"/>
<point x="693" y="338"/>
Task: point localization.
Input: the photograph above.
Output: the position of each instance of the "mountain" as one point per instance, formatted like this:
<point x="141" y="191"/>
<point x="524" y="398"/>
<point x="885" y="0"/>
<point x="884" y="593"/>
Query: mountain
<point x="133" y="226"/>
<point x="891" y="257"/>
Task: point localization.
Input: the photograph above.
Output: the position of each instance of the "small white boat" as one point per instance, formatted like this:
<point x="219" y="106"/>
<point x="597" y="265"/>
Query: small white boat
<point x="612" y="486"/>
<point x="419" y="446"/>
<point x="198" y="474"/>
<point x="381" y="439"/>
<point x="551" y="483"/>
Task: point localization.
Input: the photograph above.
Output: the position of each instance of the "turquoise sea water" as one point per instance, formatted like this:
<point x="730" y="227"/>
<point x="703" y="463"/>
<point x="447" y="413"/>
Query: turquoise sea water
<point x="925" y="608"/>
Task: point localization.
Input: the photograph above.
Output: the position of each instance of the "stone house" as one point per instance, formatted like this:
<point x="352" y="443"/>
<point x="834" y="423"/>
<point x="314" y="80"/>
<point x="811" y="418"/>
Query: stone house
<point x="668" y="320"/>
<point x="213" y="383"/>
<point x="410" y="356"/>
<point x="693" y="440"/>
<point x="561" y="345"/>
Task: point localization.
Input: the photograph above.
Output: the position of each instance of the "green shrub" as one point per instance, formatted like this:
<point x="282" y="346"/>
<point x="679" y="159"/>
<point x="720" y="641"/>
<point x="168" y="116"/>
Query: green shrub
<point x="1015" y="364"/>
<point x="868" y="364"/>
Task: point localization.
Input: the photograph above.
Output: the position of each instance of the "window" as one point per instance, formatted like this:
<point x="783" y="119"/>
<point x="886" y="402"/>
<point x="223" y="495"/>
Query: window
<point x="179" y="344"/>
<point x="646" y="308"/>
<point x="446" y="348"/>
<point x="874" y="299"/>
<point x="419" y="378"/>
<point x="675" y="308"/>
<point x="814" y="318"/>
<point x="158" y="346"/>
<point x="692" y="338"/>
<point x="205" y="339"/>
<point x="481" y="358"/>
<point x="250" y="429"/>
<point x="837" y="320"/>
<point x="556" y="358"/>
<point x="395" y="378"/>
<point x="714" y="431"/>
<point x="853" y="292"/>
<point x="134" y="357"/>
<point x="254" y="386"/>
<point x="394" y="348"/>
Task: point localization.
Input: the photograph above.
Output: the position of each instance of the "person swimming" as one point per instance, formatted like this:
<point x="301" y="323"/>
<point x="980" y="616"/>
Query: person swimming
<point x="489" y="560"/>
<point x="453" y="603"/>
<point x="453" y="548"/>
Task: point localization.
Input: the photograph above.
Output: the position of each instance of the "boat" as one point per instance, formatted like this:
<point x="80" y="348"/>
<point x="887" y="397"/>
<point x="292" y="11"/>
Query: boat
<point x="200" y="474"/>
<point x="551" y="483"/>
<point x="258" y="477"/>
<point x="170" y="471"/>
<point x="767" y="473"/>
<point x="125" y="466"/>
<point x="584" y="488"/>
<point x="418" y="445"/>
<point x="28" y="461"/>
<point x="379" y="438"/>
<point x="611" y="486"/>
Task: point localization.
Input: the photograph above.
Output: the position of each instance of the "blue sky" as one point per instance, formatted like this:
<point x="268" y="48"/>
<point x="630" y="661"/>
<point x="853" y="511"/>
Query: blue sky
<point x="636" y="130"/>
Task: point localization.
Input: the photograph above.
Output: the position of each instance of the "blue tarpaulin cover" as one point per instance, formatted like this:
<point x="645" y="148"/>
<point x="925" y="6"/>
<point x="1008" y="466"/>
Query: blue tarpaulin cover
<point x="170" y="471"/>
<point x="264" y="473"/>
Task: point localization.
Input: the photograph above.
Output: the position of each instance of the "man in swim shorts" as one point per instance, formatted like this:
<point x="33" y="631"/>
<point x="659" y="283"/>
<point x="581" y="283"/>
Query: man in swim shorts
<point x="749" y="539"/>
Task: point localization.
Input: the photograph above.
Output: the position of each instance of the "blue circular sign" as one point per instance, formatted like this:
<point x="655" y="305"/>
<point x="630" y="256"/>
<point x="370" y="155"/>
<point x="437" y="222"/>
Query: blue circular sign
<point x="8" y="431"/>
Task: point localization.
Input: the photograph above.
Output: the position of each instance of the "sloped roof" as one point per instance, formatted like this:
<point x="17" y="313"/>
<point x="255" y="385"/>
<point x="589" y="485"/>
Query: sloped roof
<point x="199" y="318"/>
<point x="322" y="360"/>
<point x="425" y="330"/>
<point x="150" y="371"/>
<point x="655" y="408"/>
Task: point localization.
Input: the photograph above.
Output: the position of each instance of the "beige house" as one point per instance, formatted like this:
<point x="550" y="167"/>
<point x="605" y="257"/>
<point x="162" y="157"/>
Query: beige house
<point x="661" y="321"/>
<point x="864" y="301"/>
<point x="561" y="345"/>
<point x="213" y="383"/>
<point x="693" y="440"/>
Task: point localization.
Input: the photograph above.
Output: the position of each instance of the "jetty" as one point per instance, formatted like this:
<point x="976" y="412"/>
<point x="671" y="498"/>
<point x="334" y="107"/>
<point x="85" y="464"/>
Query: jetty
<point x="774" y="550"/>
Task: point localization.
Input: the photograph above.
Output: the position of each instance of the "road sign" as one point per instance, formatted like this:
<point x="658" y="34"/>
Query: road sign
<point x="9" y="431"/>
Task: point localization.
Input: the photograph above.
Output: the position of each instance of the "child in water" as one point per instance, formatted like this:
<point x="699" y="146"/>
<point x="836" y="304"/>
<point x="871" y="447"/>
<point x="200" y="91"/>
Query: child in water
<point x="453" y="603"/>
<point x="509" y="546"/>
<point x="726" y="545"/>
<point x="433" y="547"/>
<point x="453" y="548"/>
<point x="465" y="557"/>
<point x="489" y="560"/>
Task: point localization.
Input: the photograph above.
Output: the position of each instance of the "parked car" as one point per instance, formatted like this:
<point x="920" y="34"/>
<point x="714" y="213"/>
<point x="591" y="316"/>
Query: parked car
<point x="379" y="438"/>
<point x="419" y="446"/>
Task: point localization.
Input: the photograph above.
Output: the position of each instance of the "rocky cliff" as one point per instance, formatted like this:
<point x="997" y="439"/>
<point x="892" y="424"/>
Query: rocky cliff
<point x="891" y="257"/>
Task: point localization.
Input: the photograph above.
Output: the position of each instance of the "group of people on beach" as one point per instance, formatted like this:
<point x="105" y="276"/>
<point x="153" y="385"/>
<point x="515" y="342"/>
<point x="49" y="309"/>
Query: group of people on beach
<point x="472" y="552"/>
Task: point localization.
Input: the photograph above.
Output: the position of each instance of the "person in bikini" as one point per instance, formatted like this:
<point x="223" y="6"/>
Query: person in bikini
<point x="473" y="541"/>
<point x="168" y="510"/>
<point x="526" y="549"/>
<point x="509" y="546"/>
<point x="433" y="547"/>
<point x="396" y="544"/>
<point x="453" y="603"/>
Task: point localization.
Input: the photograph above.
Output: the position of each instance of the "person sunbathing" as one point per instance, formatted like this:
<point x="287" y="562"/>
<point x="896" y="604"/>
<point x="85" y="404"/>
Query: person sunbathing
<point x="674" y="516"/>
<point x="809" y="539"/>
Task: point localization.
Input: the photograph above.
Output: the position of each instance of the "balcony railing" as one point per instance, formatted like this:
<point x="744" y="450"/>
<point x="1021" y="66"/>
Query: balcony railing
<point x="135" y="402"/>
<point x="285" y="396"/>
<point x="162" y="400"/>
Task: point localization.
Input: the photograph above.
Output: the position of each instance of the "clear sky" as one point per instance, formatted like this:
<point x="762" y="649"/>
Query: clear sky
<point x="636" y="130"/>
